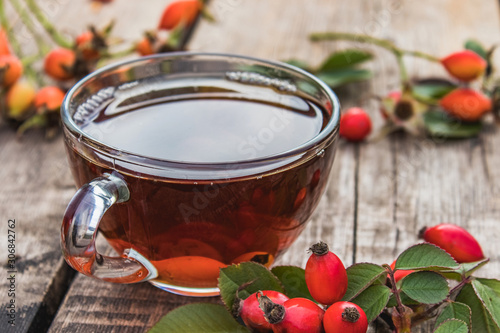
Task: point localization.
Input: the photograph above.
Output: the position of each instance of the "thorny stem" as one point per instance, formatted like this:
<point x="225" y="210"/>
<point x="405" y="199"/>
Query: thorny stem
<point x="47" y="25"/>
<point x="9" y="31"/>
<point x="42" y="47"/>
<point x="383" y="43"/>
<point x="400" y="308"/>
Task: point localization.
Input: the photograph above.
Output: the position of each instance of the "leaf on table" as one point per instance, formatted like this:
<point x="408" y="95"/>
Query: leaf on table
<point x="344" y="59"/>
<point x="476" y="46"/>
<point x="293" y="280"/>
<point x="487" y="290"/>
<point x="431" y="91"/>
<point x="360" y="276"/>
<point x="234" y="276"/>
<point x="440" y="124"/>
<point x="452" y="326"/>
<point x="455" y="310"/>
<point x="198" y="317"/>
<point x="342" y="76"/>
<point x="425" y="287"/>
<point x="373" y="300"/>
<point x="425" y="256"/>
<point x="481" y="318"/>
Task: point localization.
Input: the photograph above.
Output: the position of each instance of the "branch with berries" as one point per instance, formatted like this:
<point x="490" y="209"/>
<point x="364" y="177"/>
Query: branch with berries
<point x="30" y="98"/>
<point x="430" y="281"/>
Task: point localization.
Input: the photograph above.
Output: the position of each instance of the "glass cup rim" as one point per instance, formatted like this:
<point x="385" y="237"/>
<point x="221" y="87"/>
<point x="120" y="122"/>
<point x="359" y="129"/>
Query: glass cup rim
<point x="328" y="131"/>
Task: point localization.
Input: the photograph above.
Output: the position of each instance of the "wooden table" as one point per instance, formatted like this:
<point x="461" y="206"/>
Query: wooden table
<point x="379" y="194"/>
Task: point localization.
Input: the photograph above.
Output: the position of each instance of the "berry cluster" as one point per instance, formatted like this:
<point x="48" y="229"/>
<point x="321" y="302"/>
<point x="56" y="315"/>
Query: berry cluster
<point x="29" y="98"/>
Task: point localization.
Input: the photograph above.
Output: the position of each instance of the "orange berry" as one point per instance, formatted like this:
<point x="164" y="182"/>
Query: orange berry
<point x="59" y="64"/>
<point x="19" y="98"/>
<point x="464" y="65"/>
<point x="48" y="99"/>
<point x="144" y="47"/>
<point x="466" y="104"/>
<point x="11" y="70"/>
<point x="177" y="12"/>
<point x="84" y="43"/>
<point x="4" y="43"/>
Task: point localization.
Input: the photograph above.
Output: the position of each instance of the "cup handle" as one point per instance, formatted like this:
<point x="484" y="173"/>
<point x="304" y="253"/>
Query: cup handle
<point x="79" y="230"/>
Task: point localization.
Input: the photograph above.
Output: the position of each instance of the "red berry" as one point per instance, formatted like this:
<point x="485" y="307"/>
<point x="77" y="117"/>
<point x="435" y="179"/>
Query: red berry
<point x="326" y="277"/>
<point x="400" y="273"/>
<point x="355" y="124"/>
<point x="464" y="65"/>
<point x="11" y="70"/>
<point x="295" y="315"/>
<point x="85" y="45"/>
<point x="299" y="199"/>
<point x="180" y="11"/>
<point x="48" y="98"/>
<point x="251" y="313"/>
<point x="145" y="46"/>
<point x="466" y="104"/>
<point x="315" y="178"/>
<point x="455" y="240"/>
<point x="59" y="64"/>
<point x="345" y="317"/>
<point x="4" y="43"/>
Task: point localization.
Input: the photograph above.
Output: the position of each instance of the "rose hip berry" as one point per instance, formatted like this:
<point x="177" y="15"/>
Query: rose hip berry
<point x="466" y="104"/>
<point x="48" y="98"/>
<point x="179" y="12"/>
<point x="455" y="240"/>
<point x="345" y="317"/>
<point x="355" y="124"/>
<point x="11" y="70"/>
<point x="59" y="64"/>
<point x="295" y="315"/>
<point x="19" y="99"/>
<point x="4" y="43"/>
<point x="400" y="273"/>
<point x="325" y="275"/>
<point x="251" y="313"/>
<point x="464" y="65"/>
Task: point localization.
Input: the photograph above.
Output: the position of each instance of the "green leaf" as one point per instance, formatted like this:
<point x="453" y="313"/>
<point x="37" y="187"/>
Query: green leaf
<point x="234" y="276"/>
<point x="344" y="59"/>
<point x="452" y="326"/>
<point x="425" y="287"/>
<point x="293" y="280"/>
<point x="425" y="256"/>
<point x="373" y="300"/>
<point x="489" y="297"/>
<point x="198" y="317"/>
<point x="494" y="284"/>
<point x="455" y="310"/>
<point x="299" y="63"/>
<point x="404" y="299"/>
<point x="343" y="76"/>
<point x="464" y="270"/>
<point x="360" y="277"/>
<point x="481" y="318"/>
<point x="440" y="124"/>
<point x="433" y="91"/>
<point x="474" y="45"/>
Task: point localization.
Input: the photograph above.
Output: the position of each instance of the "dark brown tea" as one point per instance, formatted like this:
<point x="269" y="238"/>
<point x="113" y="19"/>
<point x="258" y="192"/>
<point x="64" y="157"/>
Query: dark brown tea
<point x="209" y="211"/>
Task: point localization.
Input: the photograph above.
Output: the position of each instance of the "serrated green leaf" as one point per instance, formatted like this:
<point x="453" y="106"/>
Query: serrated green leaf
<point x="455" y="310"/>
<point x="425" y="287"/>
<point x="464" y="270"/>
<point x="425" y="256"/>
<point x="494" y="284"/>
<point x="234" y="276"/>
<point x="440" y="124"/>
<point x="299" y="63"/>
<point x="474" y="45"/>
<point x="452" y="326"/>
<point x="343" y="76"/>
<point x="489" y="298"/>
<point x="481" y="318"/>
<point x="431" y="92"/>
<point x="360" y="277"/>
<point x="344" y="59"/>
<point x="373" y="300"/>
<point x="293" y="280"/>
<point x="198" y="317"/>
<point x="404" y="299"/>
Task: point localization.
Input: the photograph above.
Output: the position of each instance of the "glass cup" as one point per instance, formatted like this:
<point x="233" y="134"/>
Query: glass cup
<point x="190" y="162"/>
